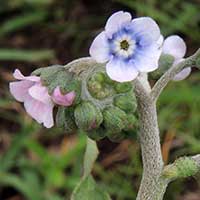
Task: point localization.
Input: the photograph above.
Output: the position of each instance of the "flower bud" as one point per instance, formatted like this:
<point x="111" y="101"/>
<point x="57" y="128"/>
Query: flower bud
<point x="182" y="168"/>
<point x="114" y="119"/>
<point x="123" y="87"/>
<point x="100" y="87"/>
<point x="88" y="116"/>
<point x="97" y="134"/>
<point x="126" y="102"/>
<point x="63" y="99"/>
<point x="65" y="119"/>
<point x="132" y="122"/>
<point x="165" y="62"/>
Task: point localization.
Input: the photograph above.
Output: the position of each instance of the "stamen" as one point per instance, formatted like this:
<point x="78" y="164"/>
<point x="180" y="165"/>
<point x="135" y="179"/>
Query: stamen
<point x="124" y="45"/>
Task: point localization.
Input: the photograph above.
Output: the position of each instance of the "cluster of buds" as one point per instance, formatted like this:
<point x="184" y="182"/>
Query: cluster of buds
<point x="108" y="109"/>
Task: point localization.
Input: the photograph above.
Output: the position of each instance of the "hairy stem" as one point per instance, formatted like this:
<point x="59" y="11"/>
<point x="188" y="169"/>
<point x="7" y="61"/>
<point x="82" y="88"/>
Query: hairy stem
<point x="152" y="187"/>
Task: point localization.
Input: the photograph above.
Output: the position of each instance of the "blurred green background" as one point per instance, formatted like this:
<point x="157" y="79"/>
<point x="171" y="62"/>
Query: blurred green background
<point x="41" y="164"/>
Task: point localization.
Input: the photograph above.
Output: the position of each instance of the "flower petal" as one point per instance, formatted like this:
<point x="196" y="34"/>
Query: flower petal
<point x="63" y="100"/>
<point x="19" y="89"/>
<point x="175" y="46"/>
<point x="160" y="41"/>
<point x="146" y="28"/>
<point x="120" y="70"/>
<point x="18" y="75"/>
<point x="183" y="74"/>
<point x="40" y="93"/>
<point x="42" y="113"/>
<point x="116" y="21"/>
<point x="146" y="60"/>
<point x="99" y="50"/>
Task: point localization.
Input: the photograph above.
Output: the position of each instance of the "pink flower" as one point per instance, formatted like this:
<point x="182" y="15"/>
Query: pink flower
<point x="37" y="102"/>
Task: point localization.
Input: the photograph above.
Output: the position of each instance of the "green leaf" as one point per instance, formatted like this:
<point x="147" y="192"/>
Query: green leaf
<point x="26" y="55"/>
<point x="87" y="189"/>
<point x="90" y="156"/>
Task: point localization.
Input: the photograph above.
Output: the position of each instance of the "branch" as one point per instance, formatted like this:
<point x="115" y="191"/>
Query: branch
<point x="192" y="61"/>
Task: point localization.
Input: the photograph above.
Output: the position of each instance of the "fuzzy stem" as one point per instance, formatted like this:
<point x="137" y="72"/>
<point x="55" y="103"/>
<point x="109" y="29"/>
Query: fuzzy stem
<point x="151" y="188"/>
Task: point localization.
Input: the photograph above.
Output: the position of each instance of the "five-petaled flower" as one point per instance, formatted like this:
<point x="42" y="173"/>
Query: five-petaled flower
<point x="128" y="46"/>
<point x="176" y="47"/>
<point x="37" y="101"/>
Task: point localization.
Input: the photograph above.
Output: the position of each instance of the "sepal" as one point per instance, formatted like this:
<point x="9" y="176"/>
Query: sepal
<point x="88" y="116"/>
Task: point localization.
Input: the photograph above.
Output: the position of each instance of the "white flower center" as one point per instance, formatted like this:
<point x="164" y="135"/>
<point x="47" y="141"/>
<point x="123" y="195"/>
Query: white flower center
<point x="124" y="46"/>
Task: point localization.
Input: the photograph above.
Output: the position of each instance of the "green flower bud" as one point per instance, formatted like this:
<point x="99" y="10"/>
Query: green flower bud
<point x="57" y="75"/>
<point x="165" y="62"/>
<point x="115" y="136"/>
<point x="65" y="119"/>
<point x="88" y="116"/>
<point x="123" y="87"/>
<point x="126" y="102"/>
<point x="99" y="87"/>
<point x="114" y="119"/>
<point x="99" y="77"/>
<point x="132" y="122"/>
<point x="97" y="134"/>
<point x="182" y="168"/>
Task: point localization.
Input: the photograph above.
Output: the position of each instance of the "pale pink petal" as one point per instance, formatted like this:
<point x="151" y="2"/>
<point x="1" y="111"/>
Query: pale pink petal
<point x="18" y="75"/>
<point x="42" y="113"/>
<point x="116" y="21"/>
<point x="19" y="89"/>
<point x="175" y="46"/>
<point x="40" y="93"/>
<point x="121" y="71"/>
<point x="48" y="116"/>
<point x="64" y="100"/>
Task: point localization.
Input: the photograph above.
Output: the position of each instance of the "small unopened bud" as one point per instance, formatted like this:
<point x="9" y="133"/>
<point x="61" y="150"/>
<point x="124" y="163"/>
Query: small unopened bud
<point x="63" y="99"/>
<point x="182" y="168"/>
<point x="65" y="119"/>
<point x="97" y="134"/>
<point x="123" y="87"/>
<point x="132" y="122"/>
<point x="126" y="102"/>
<point x="165" y="62"/>
<point x="114" y="119"/>
<point x="100" y="86"/>
<point x="88" y="116"/>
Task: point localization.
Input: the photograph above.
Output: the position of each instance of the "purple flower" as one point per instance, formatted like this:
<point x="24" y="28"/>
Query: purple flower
<point x="127" y="46"/>
<point x="175" y="46"/>
<point x="37" y="102"/>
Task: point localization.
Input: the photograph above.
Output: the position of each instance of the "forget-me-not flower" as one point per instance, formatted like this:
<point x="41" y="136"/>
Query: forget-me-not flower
<point x="128" y="46"/>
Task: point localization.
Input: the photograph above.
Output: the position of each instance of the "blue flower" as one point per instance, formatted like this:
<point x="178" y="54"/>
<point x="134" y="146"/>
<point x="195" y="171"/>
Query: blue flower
<point x="128" y="46"/>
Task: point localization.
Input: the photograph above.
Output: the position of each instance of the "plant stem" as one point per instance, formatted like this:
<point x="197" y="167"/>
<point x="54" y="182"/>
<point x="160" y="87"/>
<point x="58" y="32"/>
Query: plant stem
<point x="150" y="144"/>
